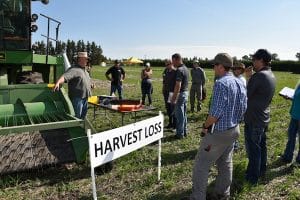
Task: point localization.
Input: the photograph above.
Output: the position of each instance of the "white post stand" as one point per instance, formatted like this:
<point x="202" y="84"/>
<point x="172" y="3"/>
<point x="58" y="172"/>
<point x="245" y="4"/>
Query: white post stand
<point x="131" y="138"/>
<point x="159" y="160"/>
<point x="159" y="155"/>
<point x="92" y="170"/>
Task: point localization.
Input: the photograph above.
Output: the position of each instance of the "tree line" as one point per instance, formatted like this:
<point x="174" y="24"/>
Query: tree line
<point x="71" y="48"/>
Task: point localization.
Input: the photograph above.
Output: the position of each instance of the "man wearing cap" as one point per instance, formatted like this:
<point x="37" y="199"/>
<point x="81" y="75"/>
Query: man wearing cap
<point x="219" y="131"/>
<point x="260" y="91"/>
<point x="117" y="75"/>
<point x="198" y="83"/>
<point x="79" y="85"/>
<point x="180" y="96"/>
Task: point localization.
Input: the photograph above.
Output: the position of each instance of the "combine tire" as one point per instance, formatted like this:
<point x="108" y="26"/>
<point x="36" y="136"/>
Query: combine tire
<point x="31" y="150"/>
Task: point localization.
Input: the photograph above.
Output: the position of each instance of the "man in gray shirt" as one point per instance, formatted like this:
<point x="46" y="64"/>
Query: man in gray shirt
<point x="198" y="82"/>
<point x="260" y="91"/>
<point x="79" y="85"/>
<point x="180" y="96"/>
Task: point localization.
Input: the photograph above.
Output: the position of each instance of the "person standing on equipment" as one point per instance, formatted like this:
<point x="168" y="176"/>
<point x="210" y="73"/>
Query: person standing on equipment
<point x="79" y="85"/>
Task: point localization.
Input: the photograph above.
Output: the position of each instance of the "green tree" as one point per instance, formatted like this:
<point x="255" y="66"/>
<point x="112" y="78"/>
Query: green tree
<point x="274" y="57"/>
<point x="298" y="56"/>
<point x="246" y="58"/>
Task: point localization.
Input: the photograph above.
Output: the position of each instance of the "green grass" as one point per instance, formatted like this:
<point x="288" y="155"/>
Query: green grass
<point x="135" y="175"/>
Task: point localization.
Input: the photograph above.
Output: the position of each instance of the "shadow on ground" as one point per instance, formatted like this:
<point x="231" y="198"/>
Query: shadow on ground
<point x="174" y="196"/>
<point x="174" y="158"/>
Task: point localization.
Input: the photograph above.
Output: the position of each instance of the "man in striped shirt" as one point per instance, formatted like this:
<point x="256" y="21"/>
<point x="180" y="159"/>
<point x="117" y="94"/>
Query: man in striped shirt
<point x="220" y="130"/>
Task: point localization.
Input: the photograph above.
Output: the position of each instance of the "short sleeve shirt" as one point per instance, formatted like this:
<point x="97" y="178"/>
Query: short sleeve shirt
<point x="116" y="74"/>
<point x="79" y="83"/>
<point x="182" y="75"/>
<point x="169" y="80"/>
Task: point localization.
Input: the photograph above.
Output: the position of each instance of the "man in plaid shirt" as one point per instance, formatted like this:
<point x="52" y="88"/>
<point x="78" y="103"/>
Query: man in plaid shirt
<point x="220" y="130"/>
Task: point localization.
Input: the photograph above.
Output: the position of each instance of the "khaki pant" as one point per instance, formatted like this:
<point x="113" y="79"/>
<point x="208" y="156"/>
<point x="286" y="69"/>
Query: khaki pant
<point x="196" y="91"/>
<point x="214" y="148"/>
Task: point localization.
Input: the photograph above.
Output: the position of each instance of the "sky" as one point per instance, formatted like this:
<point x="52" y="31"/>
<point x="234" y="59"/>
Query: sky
<point x="158" y="28"/>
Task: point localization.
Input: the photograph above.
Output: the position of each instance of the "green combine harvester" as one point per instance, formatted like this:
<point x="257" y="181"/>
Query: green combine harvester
<point x="38" y="127"/>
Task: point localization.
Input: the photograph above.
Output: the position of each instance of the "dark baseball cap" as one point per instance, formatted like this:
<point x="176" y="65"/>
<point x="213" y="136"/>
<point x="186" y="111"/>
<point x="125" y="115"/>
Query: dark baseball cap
<point x="117" y="61"/>
<point x="223" y="59"/>
<point x="263" y="54"/>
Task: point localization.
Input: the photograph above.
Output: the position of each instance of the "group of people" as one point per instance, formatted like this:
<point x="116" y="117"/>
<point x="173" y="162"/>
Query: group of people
<point x="233" y="101"/>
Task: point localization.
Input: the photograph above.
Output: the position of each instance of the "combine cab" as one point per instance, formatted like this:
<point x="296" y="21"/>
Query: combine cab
<point x="38" y="127"/>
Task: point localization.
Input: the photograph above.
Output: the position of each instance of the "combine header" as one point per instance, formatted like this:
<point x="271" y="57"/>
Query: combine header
<point x="38" y="127"/>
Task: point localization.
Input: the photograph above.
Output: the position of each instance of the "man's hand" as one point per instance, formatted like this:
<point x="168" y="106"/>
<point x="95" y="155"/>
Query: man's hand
<point x="173" y="100"/>
<point x="204" y="132"/>
<point x="56" y="87"/>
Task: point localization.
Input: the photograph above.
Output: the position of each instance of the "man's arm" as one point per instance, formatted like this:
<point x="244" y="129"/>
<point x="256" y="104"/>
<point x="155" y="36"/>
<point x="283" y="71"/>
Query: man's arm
<point x="123" y="75"/>
<point x="176" y="91"/>
<point x="216" y="110"/>
<point x="61" y="80"/>
<point x="108" y="77"/>
<point x="204" y="78"/>
<point x="208" y="123"/>
<point x="252" y="85"/>
<point x="108" y="72"/>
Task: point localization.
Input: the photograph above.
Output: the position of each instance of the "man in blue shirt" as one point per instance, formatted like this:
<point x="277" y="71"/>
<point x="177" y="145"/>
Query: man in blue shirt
<point x="220" y="130"/>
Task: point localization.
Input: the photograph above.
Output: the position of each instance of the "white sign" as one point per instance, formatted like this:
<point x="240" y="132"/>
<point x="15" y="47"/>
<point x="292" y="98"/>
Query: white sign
<point x="112" y="144"/>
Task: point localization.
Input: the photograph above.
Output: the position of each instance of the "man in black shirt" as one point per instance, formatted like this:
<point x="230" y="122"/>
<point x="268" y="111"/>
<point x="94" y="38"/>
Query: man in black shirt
<point x="117" y="75"/>
<point x="260" y="91"/>
<point x="169" y="80"/>
<point x="180" y="96"/>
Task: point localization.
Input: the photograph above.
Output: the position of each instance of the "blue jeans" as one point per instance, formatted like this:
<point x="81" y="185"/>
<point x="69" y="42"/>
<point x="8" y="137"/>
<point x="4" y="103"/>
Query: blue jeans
<point x="147" y="90"/>
<point x="80" y="107"/>
<point x="180" y="114"/>
<point x="170" y="111"/>
<point x="290" y="146"/>
<point x="113" y="89"/>
<point x="255" y="141"/>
